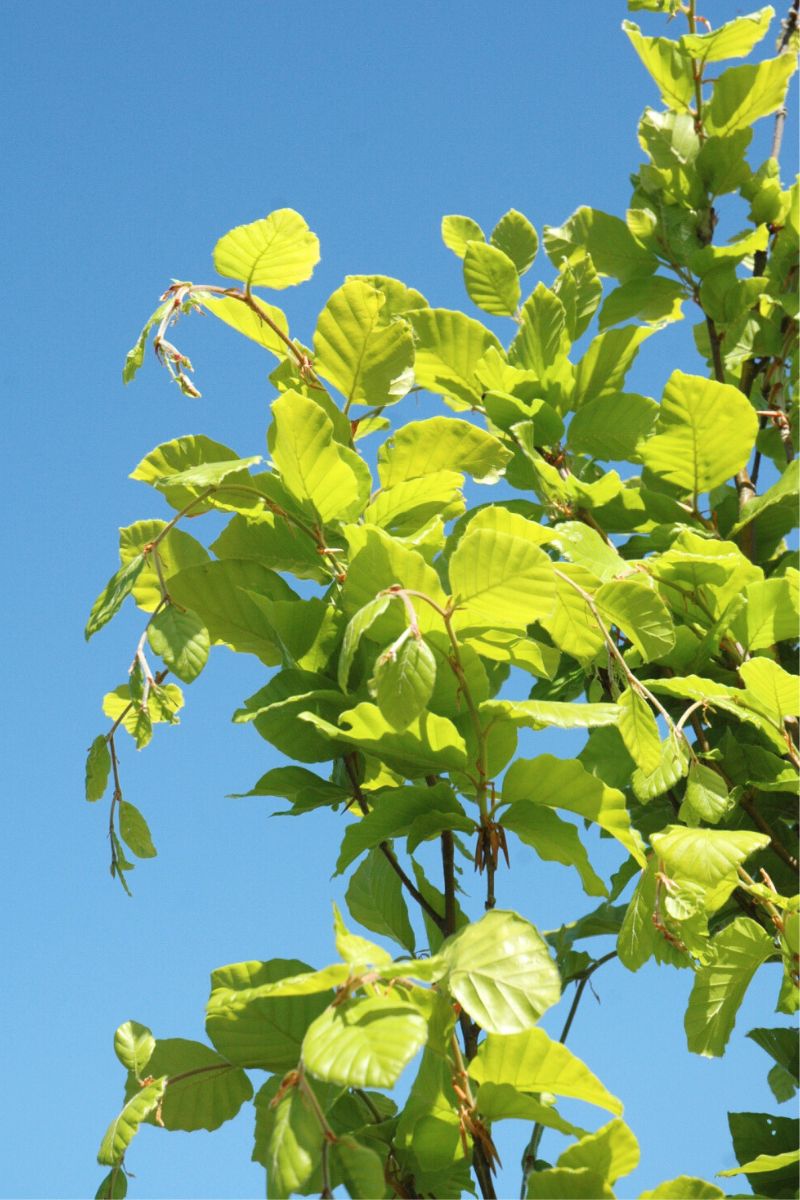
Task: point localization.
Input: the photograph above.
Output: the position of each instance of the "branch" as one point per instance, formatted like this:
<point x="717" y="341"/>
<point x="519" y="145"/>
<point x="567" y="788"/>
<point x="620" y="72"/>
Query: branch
<point x="748" y="804"/>
<point x="529" y="1156"/>
<point x="388" y="852"/>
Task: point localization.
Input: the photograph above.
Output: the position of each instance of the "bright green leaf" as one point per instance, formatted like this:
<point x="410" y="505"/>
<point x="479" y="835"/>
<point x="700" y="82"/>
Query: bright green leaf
<point x="533" y="1062"/>
<point x="275" y="252"/>
<point x="110" y="600"/>
<point x="704" y="434"/>
<point x="368" y="358"/>
<point x="501" y="973"/>
<point x="133" y="1046"/>
<point x="516" y="237"/>
<point x="743" y="95"/>
<point x="181" y="639"/>
<point x="134" y="831"/>
<point x="491" y="279"/>
<point x="612" y="1152"/>
<point x="458" y="232"/>
<point x="98" y="768"/>
<point x="364" y="1042"/>
<point x="719" y="987"/>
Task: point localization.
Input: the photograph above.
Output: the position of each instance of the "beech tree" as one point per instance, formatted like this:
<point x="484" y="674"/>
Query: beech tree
<point x="632" y="560"/>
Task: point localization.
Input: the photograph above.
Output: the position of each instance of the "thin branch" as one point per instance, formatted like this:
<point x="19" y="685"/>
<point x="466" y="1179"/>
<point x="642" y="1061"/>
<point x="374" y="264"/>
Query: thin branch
<point x="387" y="851"/>
<point x="531" y="1150"/>
<point x="748" y="804"/>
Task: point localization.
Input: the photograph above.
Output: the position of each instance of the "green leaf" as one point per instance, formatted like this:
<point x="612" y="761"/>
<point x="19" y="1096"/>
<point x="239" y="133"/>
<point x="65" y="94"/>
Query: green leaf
<point x="429" y="743"/>
<point x="553" y="840"/>
<point x="364" y="1042"/>
<point x="640" y="613"/>
<point x="707" y="796"/>
<point x="359" y="624"/>
<point x="303" y="788"/>
<point x="533" y="1062"/>
<point x="602" y="370"/>
<point x="783" y="493"/>
<point x="782" y="1045"/>
<point x="501" y="973"/>
<point x="565" y="1183"/>
<point x="491" y="279"/>
<point x="704" y="434"/>
<point x="356" y="951"/>
<point x="706" y="856"/>
<point x="398" y="298"/>
<point x="656" y="300"/>
<point x="752" y="1134"/>
<point x="611" y="1151"/>
<point x="408" y="506"/>
<point x="203" y="1089"/>
<point x="669" y="65"/>
<point x="98" y="768"/>
<point x="538" y="714"/>
<point x="542" y="335"/>
<point x="135" y="356"/>
<point x="206" y="475"/>
<point x="181" y="639"/>
<point x="685" y="1187"/>
<point x="403" y="681"/>
<point x="328" y="480"/>
<point x="218" y="592"/>
<point x="449" y="346"/>
<point x="734" y="39"/>
<point x="639" y="731"/>
<point x="175" y="551"/>
<point x="162" y="705"/>
<point x="765" y="1163"/>
<point x="393" y="813"/>
<point x="114" y="1186"/>
<point x="366" y="356"/>
<point x="247" y="321"/>
<point x="361" y="1169"/>
<point x="499" y="580"/>
<point x="133" y="1046"/>
<point x="672" y="767"/>
<point x="124" y="1128"/>
<point x="743" y="95"/>
<point x="288" y="1139"/>
<point x="610" y="244"/>
<point x="774" y="690"/>
<point x="267" y="538"/>
<point x="501" y="1101"/>
<point x="109" y="602"/>
<point x="423" y="448"/>
<point x="255" y="1030"/>
<point x="134" y="831"/>
<point x="612" y="426"/>
<point x="182" y="455"/>
<point x="516" y="237"/>
<point x="458" y="232"/>
<point x="770" y="613"/>
<point x="375" y="899"/>
<point x="566" y="784"/>
<point x="275" y="252"/>
<point x="377" y="562"/>
<point x="579" y="289"/>
<point x="719" y="988"/>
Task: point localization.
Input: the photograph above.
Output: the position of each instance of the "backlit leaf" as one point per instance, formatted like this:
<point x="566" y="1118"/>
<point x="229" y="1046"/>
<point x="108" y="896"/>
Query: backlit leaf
<point x="364" y="1042"/>
<point x="110" y="600"/>
<point x="133" y="1046"/>
<point x="719" y="987"/>
<point x="501" y="973"/>
<point x="491" y="279"/>
<point x="611" y="1151"/>
<point x="367" y="357"/>
<point x="98" y="768"/>
<point x="743" y="95"/>
<point x="533" y="1062"/>
<point x="516" y="237"/>
<point x="181" y="639"/>
<point x="275" y="252"/>
<point x="458" y="232"/>
<point x="704" y="434"/>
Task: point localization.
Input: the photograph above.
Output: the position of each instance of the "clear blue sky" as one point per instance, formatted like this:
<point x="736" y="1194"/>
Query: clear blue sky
<point x="134" y="135"/>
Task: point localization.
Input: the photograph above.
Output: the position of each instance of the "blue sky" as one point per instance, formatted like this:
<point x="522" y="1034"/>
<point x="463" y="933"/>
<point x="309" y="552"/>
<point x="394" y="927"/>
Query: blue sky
<point x="134" y="136"/>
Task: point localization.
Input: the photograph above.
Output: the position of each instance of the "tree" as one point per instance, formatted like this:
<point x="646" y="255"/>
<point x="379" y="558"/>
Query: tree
<point x="653" y="604"/>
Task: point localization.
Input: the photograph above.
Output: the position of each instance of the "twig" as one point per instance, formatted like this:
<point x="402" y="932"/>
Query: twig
<point x="387" y="851"/>
<point x="531" y="1150"/>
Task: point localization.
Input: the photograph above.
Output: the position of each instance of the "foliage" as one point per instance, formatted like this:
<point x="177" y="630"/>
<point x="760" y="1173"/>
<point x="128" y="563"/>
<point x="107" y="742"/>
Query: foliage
<point x="629" y="564"/>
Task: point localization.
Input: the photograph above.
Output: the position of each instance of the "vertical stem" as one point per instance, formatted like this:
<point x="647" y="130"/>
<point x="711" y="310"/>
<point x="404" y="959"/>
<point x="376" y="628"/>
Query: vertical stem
<point x="531" y="1150"/>
<point x="448" y="871"/>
